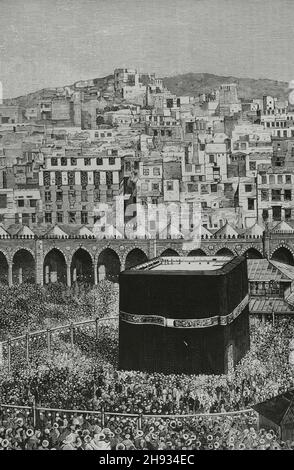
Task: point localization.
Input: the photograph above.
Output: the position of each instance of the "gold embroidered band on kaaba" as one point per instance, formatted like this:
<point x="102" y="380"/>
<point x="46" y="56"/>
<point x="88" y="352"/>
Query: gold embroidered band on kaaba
<point x="185" y="323"/>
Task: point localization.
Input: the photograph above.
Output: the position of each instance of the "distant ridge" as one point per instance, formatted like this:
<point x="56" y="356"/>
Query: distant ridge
<point x="191" y="84"/>
<point x="248" y="88"/>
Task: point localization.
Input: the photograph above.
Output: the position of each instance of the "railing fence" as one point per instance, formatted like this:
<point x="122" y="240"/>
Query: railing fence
<point x="34" y="413"/>
<point x="48" y="335"/>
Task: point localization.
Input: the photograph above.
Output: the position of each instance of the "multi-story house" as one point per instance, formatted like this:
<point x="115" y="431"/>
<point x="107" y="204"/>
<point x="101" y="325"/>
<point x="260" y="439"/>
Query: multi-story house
<point x="75" y="181"/>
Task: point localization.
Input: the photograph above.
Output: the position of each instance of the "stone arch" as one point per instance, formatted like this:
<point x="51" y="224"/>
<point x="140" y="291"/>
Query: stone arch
<point x="224" y="252"/>
<point x="19" y="248"/>
<point x="54" y="266"/>
<point x="3" y="268"/>
<point x="252" y="253"/>
<point x="284" y="254"/>
<point x="23" y="267"/>
<point x="169" y="252"/>
<point x="134" y="257"/>
<point x="81" y="267"/>
<point x="108" y="265"/>
<point x="197" y="252"/>
<point x="65" y="255"/>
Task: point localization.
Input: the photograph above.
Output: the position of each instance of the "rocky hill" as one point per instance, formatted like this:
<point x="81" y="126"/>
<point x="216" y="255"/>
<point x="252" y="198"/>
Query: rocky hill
<point x="191" y="84"/>
<point x="197" y="83"/>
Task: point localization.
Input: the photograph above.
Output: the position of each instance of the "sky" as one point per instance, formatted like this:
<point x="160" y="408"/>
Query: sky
<point x="50" y="43"/>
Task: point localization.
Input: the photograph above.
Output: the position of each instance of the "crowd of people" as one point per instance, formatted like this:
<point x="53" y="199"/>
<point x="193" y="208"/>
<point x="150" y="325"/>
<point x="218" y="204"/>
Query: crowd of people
<point x="62" y="431"/>
<point x="76" y="380"/>
<point x="87" y="378"/>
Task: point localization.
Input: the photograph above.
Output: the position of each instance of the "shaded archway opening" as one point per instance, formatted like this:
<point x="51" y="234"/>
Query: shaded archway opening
<point x="54" y="267"/>
<point x="169" y="252"/>
<point x="23" y="268"/>
<point x="135" y="257"/>
<point x="252" y="253"/>
<point x="108" y="265"/>
<point x="82" y="268"/>
<point x="283" y="255"/>
<point x="197" y="252"/>
<point x="224" y="252"/>
<point x="3" y="269"/>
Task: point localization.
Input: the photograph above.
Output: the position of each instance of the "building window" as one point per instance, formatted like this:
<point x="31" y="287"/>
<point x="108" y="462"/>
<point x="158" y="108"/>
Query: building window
<point x="280" y="179"/>
<point x="288" y="195"/>
<point x="250" y="204"/>
<point x="99" y="161"/>
<point x="276" y="194"/>
<point x="84" y="178"/>
<point x="96" y="195"/>
<point x="109" y="178"/>
<point x="264" y="195"/>
<point x="59" y="196"/>
<point x="248" y="188"/>
<point x="20" y="203"/>
<point x="265" y="214"/>
<point x="87" y="161"/>
<point x="84" y="217"/>
<point x="287" y="214"/>
<point x="3" y="201"/>
<point x="48" y="218"/>
<point x="146" y="171"/>
<point x="63" y="161"/>
<point x="155" y="187"/>
<point x="169" y="186"/>
<point x="111" y="161"/>
<point x="54" y="161"/>
<point x="96" y="179"/>
<point x="192" y="187"/>
<point x="288" y="179"/>
<point x="277" y="212"/>
<point x="59" y="217"/>
<point x="58" y="178"/>
<point x="33" y="218"/>
<point x="156" y="171"/>
<point x="263" y="179"/>
<point x="252" y="166"/>
<point x="72" y="196"/>
<point x="73" y="161"/>
<point x="213" y="188"/>
<point x="47" y="196"/>
<point x="33" y="202"/>
<point x="84" y="196"/>
<point x="71" y="178"/>
<point x="271" y="179"/>
<point x="211" y="158"/>
<point x="71" y="217"/>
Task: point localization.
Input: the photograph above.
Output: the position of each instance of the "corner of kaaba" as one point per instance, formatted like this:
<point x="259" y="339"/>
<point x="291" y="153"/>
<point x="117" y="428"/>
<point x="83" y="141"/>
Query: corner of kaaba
<point x="184" y="315"/>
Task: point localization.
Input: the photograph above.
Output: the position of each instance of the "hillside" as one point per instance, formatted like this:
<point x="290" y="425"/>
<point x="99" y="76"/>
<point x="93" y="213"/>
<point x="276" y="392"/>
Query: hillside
<point x="186" y="84"/>
<point x="31" y="99"/>
<point x="197" y="83"/>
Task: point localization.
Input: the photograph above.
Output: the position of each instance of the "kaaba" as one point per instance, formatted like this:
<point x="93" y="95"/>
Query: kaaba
<point x="184" y="315"/>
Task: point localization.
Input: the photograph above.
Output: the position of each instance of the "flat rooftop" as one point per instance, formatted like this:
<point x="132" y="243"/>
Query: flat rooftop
<point x="184" y="263"/>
